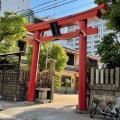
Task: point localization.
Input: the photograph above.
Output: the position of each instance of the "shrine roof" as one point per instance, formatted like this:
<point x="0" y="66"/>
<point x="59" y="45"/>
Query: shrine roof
<point x="12" y="53"/>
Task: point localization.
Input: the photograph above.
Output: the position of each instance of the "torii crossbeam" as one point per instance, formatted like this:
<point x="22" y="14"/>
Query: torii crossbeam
<point x="81" y="19"/>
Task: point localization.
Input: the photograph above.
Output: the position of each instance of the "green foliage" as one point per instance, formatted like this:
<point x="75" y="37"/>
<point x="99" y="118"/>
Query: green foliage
<point x="109" y="50"/>
<point x="55" y="51"/>
<point x="67" y="83"/>
<point x="11" y="30"/>
<point x="113" y="14"/>
<point x="58" y="53"/>
<point x="57" y="82"/>
<point x="29" y="55"/>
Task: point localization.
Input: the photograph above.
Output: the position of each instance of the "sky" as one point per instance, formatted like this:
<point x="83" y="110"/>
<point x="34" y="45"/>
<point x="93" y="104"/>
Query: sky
<point x="60" y="8"/>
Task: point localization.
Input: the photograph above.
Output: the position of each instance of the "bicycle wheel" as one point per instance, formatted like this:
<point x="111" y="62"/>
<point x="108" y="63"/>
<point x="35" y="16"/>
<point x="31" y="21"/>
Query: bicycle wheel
<point x="93" y="112"/>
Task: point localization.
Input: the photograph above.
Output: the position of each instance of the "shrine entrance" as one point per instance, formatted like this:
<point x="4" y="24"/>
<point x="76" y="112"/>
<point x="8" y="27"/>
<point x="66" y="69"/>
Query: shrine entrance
<point x="55" y="25"/>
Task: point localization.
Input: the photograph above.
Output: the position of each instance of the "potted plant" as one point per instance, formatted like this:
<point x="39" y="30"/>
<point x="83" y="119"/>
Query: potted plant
<point x="67" y="81"/>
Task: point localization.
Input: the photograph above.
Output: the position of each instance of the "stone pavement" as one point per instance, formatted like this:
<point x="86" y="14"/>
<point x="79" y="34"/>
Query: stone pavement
<point x="63" y="108"/>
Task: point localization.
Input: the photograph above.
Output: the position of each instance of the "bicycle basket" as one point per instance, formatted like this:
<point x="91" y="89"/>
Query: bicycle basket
<point x="95" y="102"/>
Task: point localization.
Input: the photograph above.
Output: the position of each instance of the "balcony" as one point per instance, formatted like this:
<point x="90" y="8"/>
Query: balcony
<point x="97" y="37"/>
<point x="96" y="41"/>
<point x="70" y="41"/>
<point x="89" y="38"/>
<point x="76" y="40"/>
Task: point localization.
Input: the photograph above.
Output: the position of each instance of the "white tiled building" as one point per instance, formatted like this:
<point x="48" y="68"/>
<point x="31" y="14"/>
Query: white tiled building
<point x="14" y="5"/>
<point x="92" y="40"/>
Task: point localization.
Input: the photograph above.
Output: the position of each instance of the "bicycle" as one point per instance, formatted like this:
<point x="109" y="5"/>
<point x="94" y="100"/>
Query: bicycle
<point x="113" y="112"/>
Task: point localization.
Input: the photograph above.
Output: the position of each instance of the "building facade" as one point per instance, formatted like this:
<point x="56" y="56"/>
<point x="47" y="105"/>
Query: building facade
<point x="92" y="40"/>
<point x="14" y="5"/>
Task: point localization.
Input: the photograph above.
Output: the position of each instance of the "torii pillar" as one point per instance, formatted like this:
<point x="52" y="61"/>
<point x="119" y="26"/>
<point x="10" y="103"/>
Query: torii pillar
<point x="82" y="68"/>
<point x="82" y="18"/>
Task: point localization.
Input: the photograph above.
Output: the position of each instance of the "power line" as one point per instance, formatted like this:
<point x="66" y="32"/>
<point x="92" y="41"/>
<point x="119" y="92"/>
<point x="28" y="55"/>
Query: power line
<point x="54" y="5"/>
<point x="62" y="19"/>
<point x="59" y="13"/>
<point x="73" y="8"/>
<point x="48" y="8"/>
<point x="43" y="8"/>
<point x="36" y="6"/>
<point x="25" y="15"/>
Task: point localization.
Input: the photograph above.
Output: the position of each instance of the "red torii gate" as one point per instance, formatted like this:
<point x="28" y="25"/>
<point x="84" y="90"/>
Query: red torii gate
<point x="81" y="19"/>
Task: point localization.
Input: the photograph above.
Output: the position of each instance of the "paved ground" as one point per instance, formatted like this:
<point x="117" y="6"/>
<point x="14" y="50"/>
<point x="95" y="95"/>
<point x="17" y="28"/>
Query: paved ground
<point x="63" y="108"/>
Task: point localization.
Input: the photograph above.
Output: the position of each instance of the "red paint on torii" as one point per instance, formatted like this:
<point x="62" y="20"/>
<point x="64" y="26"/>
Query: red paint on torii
<point x="80" y="18"/>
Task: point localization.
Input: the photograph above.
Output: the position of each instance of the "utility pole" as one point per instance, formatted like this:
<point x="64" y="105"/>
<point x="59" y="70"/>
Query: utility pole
<point x="0" y="4"/>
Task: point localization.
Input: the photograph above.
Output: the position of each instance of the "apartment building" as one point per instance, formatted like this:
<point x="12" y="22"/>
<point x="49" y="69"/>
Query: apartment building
<point x="92" y="40"/>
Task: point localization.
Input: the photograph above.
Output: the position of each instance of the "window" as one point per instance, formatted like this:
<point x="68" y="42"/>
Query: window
<point x="76" y="48"/>
<point x="96" y="42"/>
<point x="97" y="26"/>
<point x="71" y="27"/>
<point x="71" y="30"/>
<point x="70" y="41"/>
<point x="88" y="52"/>
<point x="88" y="42"/>
<point x="22" y="46"/>
<point x="95" y="47"/>
<point x="71" y="59"/>
<point x="96" y="36"/>
<point x="97" y="21"/>
<point x="77" y="26"/>
<point x="76" y="39"/>
<point x="89" y="47"/>
<point x="89" y="37"/>
<point x="77" y="44"/>
<point x="63" y="77"/>
<point x="89" y="24"/>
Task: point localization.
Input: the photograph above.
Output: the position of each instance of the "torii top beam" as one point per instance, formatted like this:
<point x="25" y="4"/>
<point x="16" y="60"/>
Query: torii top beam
<point x="89" y="15"/>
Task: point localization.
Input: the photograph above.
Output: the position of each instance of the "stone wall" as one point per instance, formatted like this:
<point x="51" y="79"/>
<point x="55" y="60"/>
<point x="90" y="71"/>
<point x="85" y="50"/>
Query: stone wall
<point x="105" y="85"/>
<point x="10" y="92"/>
<point x="12" y="86"/>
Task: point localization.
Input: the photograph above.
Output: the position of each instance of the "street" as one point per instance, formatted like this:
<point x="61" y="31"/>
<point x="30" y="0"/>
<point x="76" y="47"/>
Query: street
<point x="63" y="108"/>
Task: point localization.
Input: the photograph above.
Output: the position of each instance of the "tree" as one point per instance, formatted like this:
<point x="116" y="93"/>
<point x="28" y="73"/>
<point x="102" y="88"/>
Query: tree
<point x="109" y="50"/>
<point x="57" y="82"/>
<point x="55" y="51"/>
<point x="11" y="30"/>
<point x="113" y="14"/>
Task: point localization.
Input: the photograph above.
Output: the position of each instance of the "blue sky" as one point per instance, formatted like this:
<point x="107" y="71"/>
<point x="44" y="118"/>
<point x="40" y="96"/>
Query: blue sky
<point x="62" y="10"/>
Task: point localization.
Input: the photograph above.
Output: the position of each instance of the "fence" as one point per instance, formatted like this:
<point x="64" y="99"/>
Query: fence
<point x="43" y="79"/>
<point x="105" y="84"/>
<point x="14" y="86"/>
<point x="105" y="76"/>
